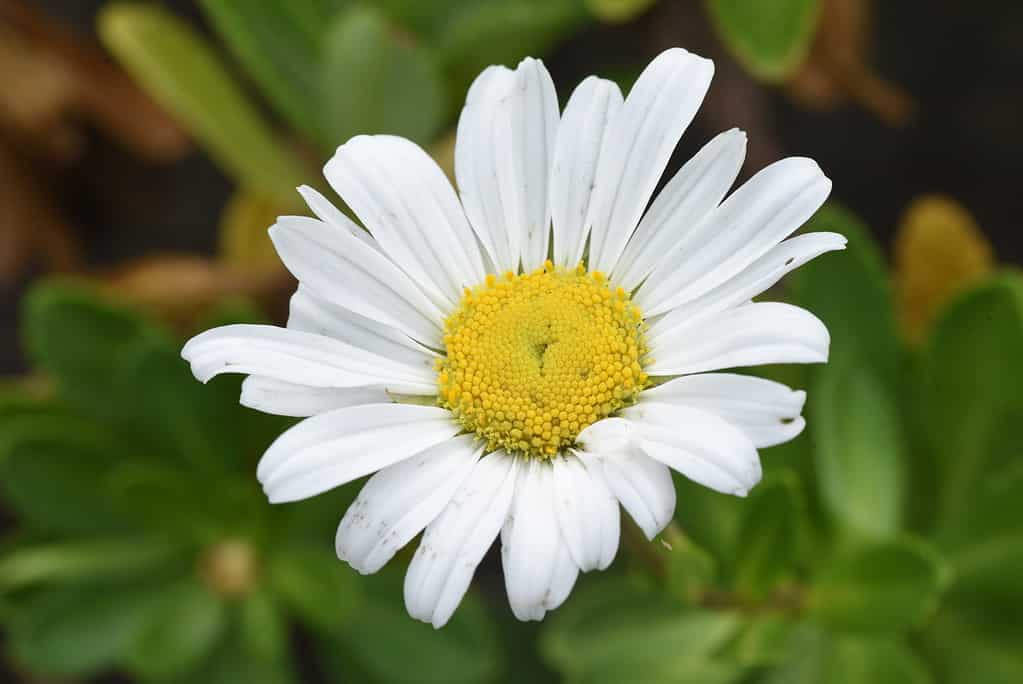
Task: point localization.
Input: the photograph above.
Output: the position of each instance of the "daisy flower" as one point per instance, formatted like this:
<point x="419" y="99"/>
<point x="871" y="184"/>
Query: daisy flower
<point x="525" y="356"/>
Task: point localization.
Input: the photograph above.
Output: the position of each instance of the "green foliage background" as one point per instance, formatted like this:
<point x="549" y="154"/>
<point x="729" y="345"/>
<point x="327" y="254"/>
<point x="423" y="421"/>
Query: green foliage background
<point x="884" y="545"/>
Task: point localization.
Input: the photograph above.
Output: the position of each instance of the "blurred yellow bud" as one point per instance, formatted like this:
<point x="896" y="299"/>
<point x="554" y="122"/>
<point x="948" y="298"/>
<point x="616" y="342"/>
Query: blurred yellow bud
<point x="230" y="568"/>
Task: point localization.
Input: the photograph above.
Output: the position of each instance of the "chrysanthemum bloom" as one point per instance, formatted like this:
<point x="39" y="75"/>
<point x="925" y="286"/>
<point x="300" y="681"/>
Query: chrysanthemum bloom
<point x="524" y="356"/>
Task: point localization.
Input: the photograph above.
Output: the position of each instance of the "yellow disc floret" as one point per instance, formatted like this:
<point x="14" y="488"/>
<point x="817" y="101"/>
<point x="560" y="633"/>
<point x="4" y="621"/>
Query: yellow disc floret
<point x="532" y="359"/>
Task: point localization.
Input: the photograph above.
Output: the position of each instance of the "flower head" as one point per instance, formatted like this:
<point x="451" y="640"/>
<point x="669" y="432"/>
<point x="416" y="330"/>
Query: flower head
<point x="528" y="355"/>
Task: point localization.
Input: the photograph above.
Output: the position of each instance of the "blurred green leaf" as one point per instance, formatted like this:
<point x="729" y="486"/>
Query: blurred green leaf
<point x="710" y="518"/>
<point x="179" y="70"/>
<point x="186" y="628"/>
<point x="818" y="656"/>
<point x="965" y="654"/>
<point x="770" y="37"/>
<point x="608" y="625"/>
<point x="767" y="544"/>
<point x="970" y="404"/>
<point x="80" y="560"/>
<point x="860" y="450"/>
<point x="262" y="627"/>
<point x="690" y="569"/>
<point x="315" y="585"/>
<point x="378" y="80"/>
<point x="887" y="587"/>
<point x="764" y="640"/>
<point x="618" y="11"/>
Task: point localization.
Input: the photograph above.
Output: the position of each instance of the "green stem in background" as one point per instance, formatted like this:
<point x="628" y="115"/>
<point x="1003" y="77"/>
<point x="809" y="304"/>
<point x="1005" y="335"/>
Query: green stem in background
<point x="179" y="70"/>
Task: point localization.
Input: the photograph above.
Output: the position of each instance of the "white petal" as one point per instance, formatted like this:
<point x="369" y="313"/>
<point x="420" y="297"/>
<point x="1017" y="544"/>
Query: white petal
<point x="530" y="541"/>
<point x="333" y="448"/>
<point x="312" y="314"/>
<point x="566" y="572"/>
<point x="644" y="488"/>
<point x="657" y="110"/>
<point x="750" y="335"/>
<point x="341" y="269"/>
<point x="407" y="203"/>
<point x="283" y="398"/>
<point x="698" y="444"/>
<point x="697" y="188"/>
<point x="400" y="500"/>
<point x="325" y="210"/>
<point x="767" y="412"/>
<point x="299" y="357"/>
<point x="758" y="277"/>
<point x="755" y="218"/>
<point x="581" y="502"/>
<point x="607" y="435"/>
<point x="584" y="126"/>
<point x="456" y="541"/>
<point x="503" y="155"/>
<point x="608" y="514"/>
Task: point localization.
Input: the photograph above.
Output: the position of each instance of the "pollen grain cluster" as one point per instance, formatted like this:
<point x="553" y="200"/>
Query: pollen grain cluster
<point x="532" y="359"/>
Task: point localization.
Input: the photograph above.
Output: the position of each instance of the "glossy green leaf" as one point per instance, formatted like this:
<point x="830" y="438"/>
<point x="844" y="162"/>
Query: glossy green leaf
<point x="378" y="80"/>
<point x="770" y="37"/>
<point x="860" y="449"/>
<point x="188" y="626"/>
<point x="81" y="560"/>
<point x="767" y="544"/>
<point x="315" y="585"/>
<point x="618" y="11"/>
<point x="180" y="71"/>
<point x="969" y="400"/>
<point x="888" y="587"/>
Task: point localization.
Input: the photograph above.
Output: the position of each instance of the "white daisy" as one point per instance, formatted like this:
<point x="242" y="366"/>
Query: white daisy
<point x="521" y="358"/>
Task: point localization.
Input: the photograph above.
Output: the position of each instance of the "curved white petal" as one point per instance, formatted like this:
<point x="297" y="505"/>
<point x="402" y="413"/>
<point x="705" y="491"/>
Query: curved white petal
<point x="697" y="188"/>
<point x="310" y="313"/>
<point x="503" y="154"/>
<point x="407" y="203"/>
<point x="333" y="448"/>
<point x="658" y="109"/>
<point x="339" y="268"/>
<point x="767" y="412"/>
<point x="607" y="435"/>
<point x="755" y="279"/>
<point x="750" y="335"/>
<point x="698" y="444"/>
<point x="325" y="210"/>
<point x="755" y="218"/>
<point x="581" y="502"/>
<point x="530" y="541"/>
<point x="401" y="500"/>
<point x="566" y="572"/>
<point x="644" y="488"/>
<point x="283" y="398"/>
<point x="608" y="515"/>
<point x="301" y="358"/>
<point x="456" y="541"/>
<point x="581" y="136"/>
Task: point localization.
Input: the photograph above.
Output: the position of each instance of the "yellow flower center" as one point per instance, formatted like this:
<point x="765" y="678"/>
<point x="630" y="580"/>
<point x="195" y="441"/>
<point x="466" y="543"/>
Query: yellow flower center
<point x="532" y="359"/>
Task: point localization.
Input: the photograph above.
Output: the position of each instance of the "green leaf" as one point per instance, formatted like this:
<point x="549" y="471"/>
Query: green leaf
<point x="690" y="570"/>
<point x="710" y="518"/>
<point x="608" y="625"/>
<point x="378" y="80"/>
<point x="770" y="37"/>
<point x="888" y="587"/>
<point x="764" y="640"/>
<point x="860" y="449"/>
<point x="970" y="404"/>
<point x="465" y="650"/>
<point x="188" y="626"/>
<point x="315" y="585"/>
<point x="81" y="560"/>
<point x="818" y="656"/>
<point x="767" y="544"/>
<point x="618" y="11"/>
<point x="965" y="653"/>
<point x="180" y="71"/>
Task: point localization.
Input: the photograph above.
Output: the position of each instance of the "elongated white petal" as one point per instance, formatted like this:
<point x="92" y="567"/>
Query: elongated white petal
<point x="530" y="540"/>
<point x="767" y="412"/>
<point x="581" y="136"/>
<point x="402" y="499"/>
<point x="456" y="541"/>
<point x="758" y="277"/>
<point x="339" y="268"/>
<point x="283" y="398"/>
<point x="312" y="314"/>
<point x="325" y="210"/>
<point x="698" y="444"/>
<point x="566" y="572"/>
<point x="333" y="448"/>
<point x="755" y="218"/>
<point x="751" y="335"/>
<point x="503" y="155"/>
<point x="580" y="502"/>
<point x="697" y="188"/>
<point x="658" y="109"/>
<point x="299" y="357"/>
<point x="407" y="203"/>
<point x="608" y="514"/>
<point x="644" y="488"/>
